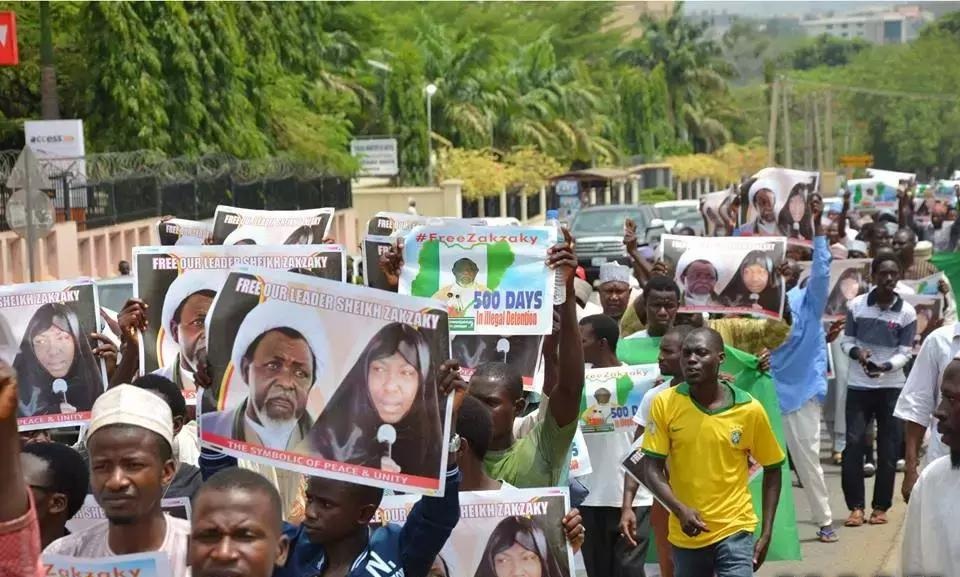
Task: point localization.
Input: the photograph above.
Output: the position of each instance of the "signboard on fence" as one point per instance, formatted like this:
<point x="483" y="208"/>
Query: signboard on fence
<point x="377" y="156"/>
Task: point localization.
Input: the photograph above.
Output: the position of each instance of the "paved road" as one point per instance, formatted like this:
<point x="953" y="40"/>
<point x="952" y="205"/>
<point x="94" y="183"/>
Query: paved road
<point x="865" y="551"/>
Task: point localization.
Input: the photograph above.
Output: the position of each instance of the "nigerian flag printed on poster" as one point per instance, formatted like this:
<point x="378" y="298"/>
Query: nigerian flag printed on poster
<point x="492" y="280"/>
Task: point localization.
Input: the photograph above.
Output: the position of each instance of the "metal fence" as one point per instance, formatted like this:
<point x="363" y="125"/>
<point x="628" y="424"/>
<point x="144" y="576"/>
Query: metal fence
<point x="491" y="206"/>
<point x="104" y="189"/>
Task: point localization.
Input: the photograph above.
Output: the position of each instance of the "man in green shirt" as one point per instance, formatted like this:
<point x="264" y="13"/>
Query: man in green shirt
<point x="537" y="459"/>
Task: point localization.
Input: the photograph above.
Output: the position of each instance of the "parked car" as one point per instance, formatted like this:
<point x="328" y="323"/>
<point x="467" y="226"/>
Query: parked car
<point x="680" y="212"/>
<point x="598" y="232"/>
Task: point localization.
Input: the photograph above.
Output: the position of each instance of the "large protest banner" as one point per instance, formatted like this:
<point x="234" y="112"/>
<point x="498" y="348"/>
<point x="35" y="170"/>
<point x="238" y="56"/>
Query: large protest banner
<point x="776" y="205"/>
<point x="611" y="397"/>
<point x="329" y="379"/>
<point x="491" y="280"/>
<point x="732" y="275"/>
<point x="506" y="532"/>
<point x="154" y="564"/>
<point x="180" y="283"/>
<point x="849" y="278"/>
<point x="232" y="225"/>
<point x="45" y="330"/>
<point x="182" y="232"/>
<point x="872" y="194"/>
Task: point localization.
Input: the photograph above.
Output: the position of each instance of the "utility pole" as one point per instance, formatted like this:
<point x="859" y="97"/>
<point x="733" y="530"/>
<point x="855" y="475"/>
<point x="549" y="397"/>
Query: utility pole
<point x="787" y="145"/>
<point x="828" y="129"/>
<point x="49" y="101"/>
<point x="817" y="134"/>
<point x="772" y="133"/>
<point x="807" y="133"/>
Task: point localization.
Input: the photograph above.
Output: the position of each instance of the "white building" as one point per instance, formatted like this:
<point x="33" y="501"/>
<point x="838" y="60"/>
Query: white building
<point x="896" y="26"/>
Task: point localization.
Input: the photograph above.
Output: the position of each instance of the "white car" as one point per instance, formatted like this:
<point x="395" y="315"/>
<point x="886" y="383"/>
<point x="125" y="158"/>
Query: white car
<point x="672" y="212"/>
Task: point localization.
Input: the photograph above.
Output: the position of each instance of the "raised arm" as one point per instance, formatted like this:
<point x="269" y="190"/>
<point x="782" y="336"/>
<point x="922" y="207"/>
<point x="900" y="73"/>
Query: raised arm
<point x="818" y="288"/>
<point x="641" y="268"/>
<point x="565" y="400"/>
<point x="842" y="221"/>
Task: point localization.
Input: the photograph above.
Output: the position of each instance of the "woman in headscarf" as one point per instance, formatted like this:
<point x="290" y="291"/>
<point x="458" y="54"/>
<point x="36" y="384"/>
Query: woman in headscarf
<point x="756" y="284"/>
<point x="385" y="414"/>
<point x="850" y="284"/>
<point x="796" y="220"/>
<point x="518" y="546"/>
<point x="56" y="369"/>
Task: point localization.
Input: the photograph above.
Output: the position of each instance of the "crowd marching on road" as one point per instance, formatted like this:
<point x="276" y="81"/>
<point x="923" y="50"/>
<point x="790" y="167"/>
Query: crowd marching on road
<point x="665" y="409"/>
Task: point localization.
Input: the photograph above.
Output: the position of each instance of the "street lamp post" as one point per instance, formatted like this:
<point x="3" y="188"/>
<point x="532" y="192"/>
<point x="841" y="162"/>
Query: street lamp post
<point x="430" y="89"/>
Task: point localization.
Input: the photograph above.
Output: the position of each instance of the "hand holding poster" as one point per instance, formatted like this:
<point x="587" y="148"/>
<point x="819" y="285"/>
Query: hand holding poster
<point x="929" y="315"/>
<point x="137" y="565"/>
<point x="727" y="275"/>
<point x="45" y="330"/>
<point x="182" y="232"/>
<point x="848" y="279"/>
<point x="871" y="194"/>
<point x="928" y="285"/>
<point x="180" y="283"/>
<point x="716" y="213"/>
<point x="777" y="205"/>
<point x="506" y="532"/>
<point x="294" y="396"/>
<point x="611" y="397"/>
<point x="492" y="280"/>
<point x="233" y="225"/>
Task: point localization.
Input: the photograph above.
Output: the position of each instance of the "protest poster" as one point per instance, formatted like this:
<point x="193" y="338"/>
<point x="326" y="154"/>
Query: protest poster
<point x="232" y="225"/>
<point x="849" y="278"/>
<point x="715" y="210"/>
<point x="492" y="280"/>
<point x="328" y="379"/>
<point x="385" y="227"/>
<point x="579" y="456"/>
<point x="183" y="232"/>
<point x="45" y="330"/>
<point x="929" y="313"/>
<point x="611" y="397"/>
<point x="182" y="281"/>
<point x="872" y="194"/>
<point x="892" y="177"/>
<point x="776" y="205"/>
<point x="505" y="532"/>
<point x="947" y="190"/>
<point x="154" y="564"/>
<point x="928" y="285"/>
<point x="91" y="513"/>
<point x="521" y="352"/>
<point x="733" y="275"/>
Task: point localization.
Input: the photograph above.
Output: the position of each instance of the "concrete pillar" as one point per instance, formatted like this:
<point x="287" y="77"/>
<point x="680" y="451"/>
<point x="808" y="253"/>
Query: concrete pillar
<point x="593" y="196"/>
<point x="543" y="201"/>
<point x="523" y="208"/>
<point x="635" y="191"/>
<point x="607" y="193"/>
<point x="452" y="197"/>
<point x="503" y="203"/>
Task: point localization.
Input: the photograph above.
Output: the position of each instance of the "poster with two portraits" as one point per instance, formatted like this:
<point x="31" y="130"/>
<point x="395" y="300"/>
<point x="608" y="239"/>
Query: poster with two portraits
<point x="45" y="335"/>
<point x="180" y="282"/>
<point x="776" y="204"/>
<point x="727" y="275"/>
<point x="327" y="378"/>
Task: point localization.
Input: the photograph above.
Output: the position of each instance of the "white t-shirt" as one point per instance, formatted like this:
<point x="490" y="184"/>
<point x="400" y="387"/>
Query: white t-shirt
<point x="931" y="544"/>
<point x="607" y="450"/>
<point x="93" y="544"/>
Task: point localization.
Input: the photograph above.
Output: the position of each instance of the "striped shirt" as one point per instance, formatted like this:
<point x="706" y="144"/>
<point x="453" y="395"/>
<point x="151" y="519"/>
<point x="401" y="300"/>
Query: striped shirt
<point x="886" y="333"/>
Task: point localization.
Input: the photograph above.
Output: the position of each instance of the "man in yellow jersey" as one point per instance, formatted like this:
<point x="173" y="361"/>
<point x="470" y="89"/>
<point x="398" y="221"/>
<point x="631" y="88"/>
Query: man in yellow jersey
<point x="705" y="430"/>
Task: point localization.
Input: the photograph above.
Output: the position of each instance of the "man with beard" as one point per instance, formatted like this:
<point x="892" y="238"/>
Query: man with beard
<point x="131" y="462"/>
<point x="273" y="356"/>
<point x="699" y="278"/>
<point x="459" y="295"/>
<point x="614" y="289"/>
<point x="931" y="544"/>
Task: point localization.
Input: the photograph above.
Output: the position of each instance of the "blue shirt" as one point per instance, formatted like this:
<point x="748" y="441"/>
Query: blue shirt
<point x="799" y="365"/>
